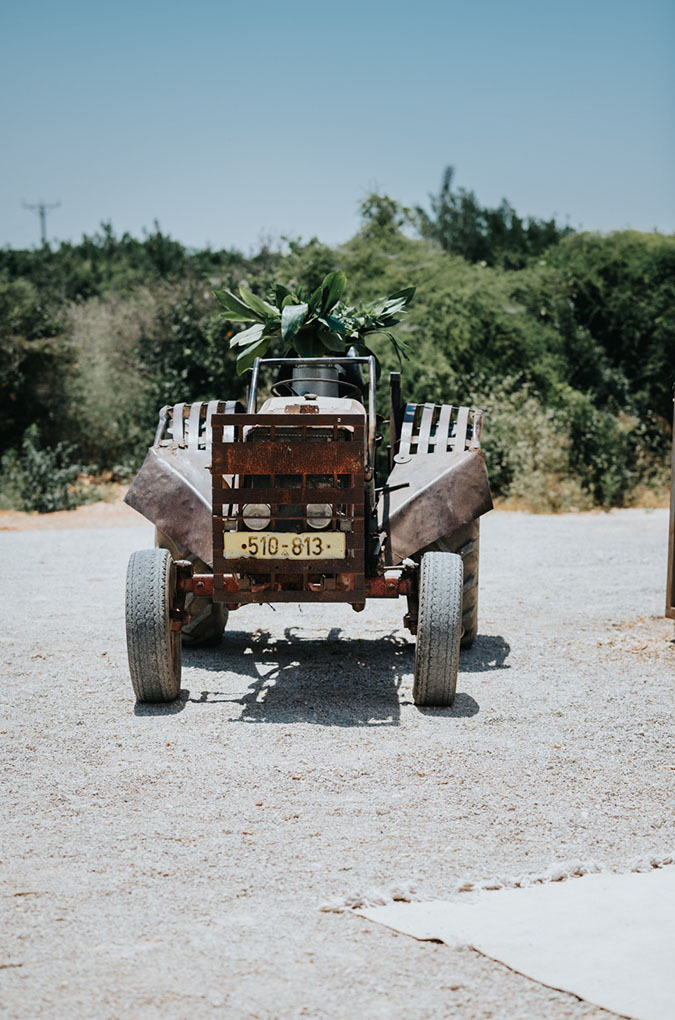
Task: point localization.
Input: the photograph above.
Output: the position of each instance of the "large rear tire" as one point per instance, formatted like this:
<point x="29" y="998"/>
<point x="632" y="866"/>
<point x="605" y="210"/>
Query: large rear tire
<point x="154" y="649"/>
<point x="466" y="542"/>
<point x="439" y="629"/>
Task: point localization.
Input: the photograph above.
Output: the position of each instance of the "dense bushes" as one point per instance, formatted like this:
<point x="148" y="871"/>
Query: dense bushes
<point x="42" y="478"/>
<point x="571" y="354"/>
<point x="622" y="289"/>
<point x="462" y="226"/>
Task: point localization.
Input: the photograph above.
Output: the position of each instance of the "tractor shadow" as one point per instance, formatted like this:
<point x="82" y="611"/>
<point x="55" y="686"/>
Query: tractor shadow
<point x="488" y="652"/>
<point x="327" y="681"/>
<point x="170" y="708"/>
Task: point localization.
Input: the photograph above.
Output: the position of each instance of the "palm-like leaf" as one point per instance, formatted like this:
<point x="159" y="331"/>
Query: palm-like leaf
<point x="249" y="354"/>
<point x="248" y="336"/>
<point x="332" y="289"/>
<point x="332" y="342"/>
<point x="320" y="325"/>
<point x="259" y="306"/>
<point x="292" y="318"/>
<point x="236" y="310"/>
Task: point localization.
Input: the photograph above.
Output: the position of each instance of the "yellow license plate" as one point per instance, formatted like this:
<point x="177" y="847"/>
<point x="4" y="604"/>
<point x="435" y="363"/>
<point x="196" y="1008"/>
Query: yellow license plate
<point x="279" y="545"/>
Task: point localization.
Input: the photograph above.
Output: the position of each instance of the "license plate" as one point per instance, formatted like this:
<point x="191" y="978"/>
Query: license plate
<point x="278" y="545"/>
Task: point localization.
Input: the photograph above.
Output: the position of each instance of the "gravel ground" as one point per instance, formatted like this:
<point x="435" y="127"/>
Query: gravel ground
<point x="170" y="862"/>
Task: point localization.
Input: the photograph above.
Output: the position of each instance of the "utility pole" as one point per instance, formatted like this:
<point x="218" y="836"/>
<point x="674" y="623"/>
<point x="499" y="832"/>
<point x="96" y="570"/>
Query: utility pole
<point x="42" y="208"/>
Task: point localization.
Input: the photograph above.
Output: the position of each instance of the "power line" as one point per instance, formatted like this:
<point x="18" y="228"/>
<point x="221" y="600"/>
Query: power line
<point x="41" y="209"/>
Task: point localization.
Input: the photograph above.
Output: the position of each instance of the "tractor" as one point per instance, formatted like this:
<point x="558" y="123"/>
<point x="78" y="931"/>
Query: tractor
<point x="295" y="501"/>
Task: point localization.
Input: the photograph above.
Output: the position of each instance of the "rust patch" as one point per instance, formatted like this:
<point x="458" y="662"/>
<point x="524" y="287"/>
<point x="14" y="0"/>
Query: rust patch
<point x="301" y="409"/>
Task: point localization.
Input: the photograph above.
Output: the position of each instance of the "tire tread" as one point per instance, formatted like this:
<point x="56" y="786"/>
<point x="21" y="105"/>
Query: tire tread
<point x="154" y="669"/>
<point x="439" y="628"/>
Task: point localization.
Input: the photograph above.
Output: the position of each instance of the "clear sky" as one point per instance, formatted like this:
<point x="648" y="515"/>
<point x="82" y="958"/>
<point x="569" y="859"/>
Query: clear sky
<point x="228" y="122"/>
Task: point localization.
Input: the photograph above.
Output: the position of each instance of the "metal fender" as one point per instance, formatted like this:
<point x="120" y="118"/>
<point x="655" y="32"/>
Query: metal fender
<point x="439" y="480"/>
<point x="173" y="488"/>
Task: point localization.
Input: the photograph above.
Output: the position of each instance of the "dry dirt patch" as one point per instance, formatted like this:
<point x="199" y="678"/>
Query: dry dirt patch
<point x="112" y="512"/>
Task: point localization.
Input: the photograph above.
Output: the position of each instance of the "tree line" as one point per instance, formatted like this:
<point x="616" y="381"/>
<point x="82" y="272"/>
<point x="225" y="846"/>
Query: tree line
<point x="565" y="338"/>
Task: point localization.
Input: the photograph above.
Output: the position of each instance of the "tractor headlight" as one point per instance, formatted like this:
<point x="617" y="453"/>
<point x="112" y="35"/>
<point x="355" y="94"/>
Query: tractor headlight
<point x="319" y="515"/>
<point x="256" y="515"/>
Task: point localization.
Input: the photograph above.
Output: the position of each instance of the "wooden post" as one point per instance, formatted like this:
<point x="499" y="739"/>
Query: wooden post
<point x="670" y="583"/>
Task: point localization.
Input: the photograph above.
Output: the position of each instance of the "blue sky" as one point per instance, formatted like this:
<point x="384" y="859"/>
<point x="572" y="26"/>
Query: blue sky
<point x="230" y="122"/>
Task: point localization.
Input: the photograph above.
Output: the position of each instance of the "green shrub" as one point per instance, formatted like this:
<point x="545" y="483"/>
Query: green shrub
<point x="567" y="341"/>
<point x="108" y="414"/>
<point x="528" y="450"/>
<point x="622" y="290"/>
<point x="461" y="225"/>
<point x="42" y="478"/>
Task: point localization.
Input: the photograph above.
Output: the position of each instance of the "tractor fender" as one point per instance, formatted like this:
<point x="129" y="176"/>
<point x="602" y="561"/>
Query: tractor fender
<point x="439" y="480"/>
<point x="173" y="487"/>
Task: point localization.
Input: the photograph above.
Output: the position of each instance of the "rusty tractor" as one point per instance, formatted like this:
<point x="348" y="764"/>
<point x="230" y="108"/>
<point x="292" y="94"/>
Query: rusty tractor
<point x="282" y="503"/>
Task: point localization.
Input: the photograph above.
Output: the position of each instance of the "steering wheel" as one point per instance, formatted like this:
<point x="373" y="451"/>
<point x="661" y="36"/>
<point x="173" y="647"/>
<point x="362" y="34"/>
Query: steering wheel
<point x="285" y="388"/>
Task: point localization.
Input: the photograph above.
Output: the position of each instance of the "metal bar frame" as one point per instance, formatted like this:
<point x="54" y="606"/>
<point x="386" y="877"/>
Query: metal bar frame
<point x="387" y="586"/>
<point x="257" y="581"/>
<point x="372" y="384"/>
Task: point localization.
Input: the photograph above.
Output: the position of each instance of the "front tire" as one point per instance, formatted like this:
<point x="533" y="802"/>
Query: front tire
<point x="154" y="649"/>
<point x="439" y="629"/>
<point x="206" y="618"/>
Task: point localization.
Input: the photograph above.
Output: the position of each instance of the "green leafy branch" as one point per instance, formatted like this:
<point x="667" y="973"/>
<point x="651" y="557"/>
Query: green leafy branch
<point x="314" y="325"/>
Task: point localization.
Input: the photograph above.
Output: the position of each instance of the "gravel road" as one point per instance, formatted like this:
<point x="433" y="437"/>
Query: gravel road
<point x="170" y="862"/>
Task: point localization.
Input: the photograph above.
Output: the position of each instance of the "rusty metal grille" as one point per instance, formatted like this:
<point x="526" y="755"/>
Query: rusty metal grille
<point x="289" y="462"/>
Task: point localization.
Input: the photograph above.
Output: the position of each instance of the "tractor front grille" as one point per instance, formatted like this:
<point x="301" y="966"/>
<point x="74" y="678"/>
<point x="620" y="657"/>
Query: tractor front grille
<point x="317" y="458"/>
